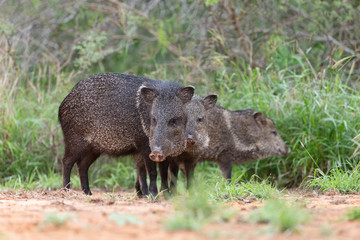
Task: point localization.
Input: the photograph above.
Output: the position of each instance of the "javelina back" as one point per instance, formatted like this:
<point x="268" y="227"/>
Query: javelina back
<point x="234" y="137"/>
<point x="120" y="114"/>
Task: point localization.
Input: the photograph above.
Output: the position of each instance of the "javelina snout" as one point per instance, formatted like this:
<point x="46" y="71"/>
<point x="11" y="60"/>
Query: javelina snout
<point x="190" y="141"/>
<point x="157" y="155"/>
<point x="284" y="150"/>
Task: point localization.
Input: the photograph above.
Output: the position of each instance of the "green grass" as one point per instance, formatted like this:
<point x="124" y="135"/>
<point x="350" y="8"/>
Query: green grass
<point x="55" y="219"/>
<point x="30" y="135"/>
<point x="281" y="215"/>
<point x="222" y="190"/>
<point x="110" y="176"/>
<point x="337" y="180"/>
<point x="113" y="173"/>
<point x="123" y="219"/>
<point x="48" y="181"/>
<point x="326" y="230"/>
<point x="196" y="209"/>
<point x="353" y="214"/>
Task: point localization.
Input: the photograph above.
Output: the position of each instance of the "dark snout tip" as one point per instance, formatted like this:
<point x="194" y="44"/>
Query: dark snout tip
<point x="156" y="156"/>
<point x="190" y="142"/>
<point x="287" y="151"/>
<point x="283" y="151"/>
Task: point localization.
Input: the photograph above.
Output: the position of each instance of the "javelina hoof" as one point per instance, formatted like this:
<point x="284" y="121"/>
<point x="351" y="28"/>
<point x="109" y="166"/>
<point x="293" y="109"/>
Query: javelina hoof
<point x="153" y="197"/>
<point x="140" y="195"/>
<point x="157" y="156"/>
<point x="87" y="192"/>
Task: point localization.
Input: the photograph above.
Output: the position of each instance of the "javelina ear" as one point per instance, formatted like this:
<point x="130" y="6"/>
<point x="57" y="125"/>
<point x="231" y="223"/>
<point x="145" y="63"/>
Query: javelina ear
<point x="148" y="94"/>
<point x="186" y="93"/>
<point x="210" y="101"/>
<point x="260" y="118"/>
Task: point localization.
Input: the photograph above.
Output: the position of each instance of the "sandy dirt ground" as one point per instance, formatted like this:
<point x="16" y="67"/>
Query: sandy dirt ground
<point x="27" y="215"/>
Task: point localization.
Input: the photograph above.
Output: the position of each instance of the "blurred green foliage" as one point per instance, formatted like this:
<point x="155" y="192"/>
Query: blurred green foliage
<point x="283" y="216"/>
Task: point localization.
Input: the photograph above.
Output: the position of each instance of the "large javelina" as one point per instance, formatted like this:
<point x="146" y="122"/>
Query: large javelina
<point x="120" y="114"/>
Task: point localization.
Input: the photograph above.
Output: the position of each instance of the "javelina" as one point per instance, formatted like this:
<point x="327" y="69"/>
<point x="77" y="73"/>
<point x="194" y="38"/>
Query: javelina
<point x="197" y="132"/>
<point x="234" y="137"/>
<point x="120" y="114"/>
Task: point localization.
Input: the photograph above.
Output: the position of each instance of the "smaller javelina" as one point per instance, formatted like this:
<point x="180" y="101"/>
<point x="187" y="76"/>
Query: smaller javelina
<point x="197" y="135"/>
<point x="233" y="137"/>
<point x="120" y="114"/>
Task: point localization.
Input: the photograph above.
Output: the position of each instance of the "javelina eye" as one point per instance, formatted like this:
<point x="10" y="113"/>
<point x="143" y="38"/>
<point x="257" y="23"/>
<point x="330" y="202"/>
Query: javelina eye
<point x="174" y="121"/>
<point x="153" y="120"/>
<point x="200" y="119"/>
<point x="274" y="133"/>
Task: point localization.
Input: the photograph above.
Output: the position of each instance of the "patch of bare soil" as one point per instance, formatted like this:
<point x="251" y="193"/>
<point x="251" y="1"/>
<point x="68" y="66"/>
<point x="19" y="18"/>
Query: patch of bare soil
<point x="36" y="214"/>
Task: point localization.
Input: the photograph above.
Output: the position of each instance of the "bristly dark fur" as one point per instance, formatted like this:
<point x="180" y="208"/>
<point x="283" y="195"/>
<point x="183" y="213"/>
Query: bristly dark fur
<point x="106" y="114"/>
<point x="234" y="137"/>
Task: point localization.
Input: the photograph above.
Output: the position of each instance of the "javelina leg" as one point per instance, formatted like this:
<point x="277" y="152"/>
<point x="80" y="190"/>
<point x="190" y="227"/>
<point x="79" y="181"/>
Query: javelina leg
<point x="225" y="168"/>
<point x="163" y="170"/>
<point x="68" y="162"/>
<point x="141" y="186"/>
<point x="83" y="167"/>
<point x="137" y="186"/>
<point x="174" y="171"/>
<point x="151" y="169"/>
<point x="189" y="174"/>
